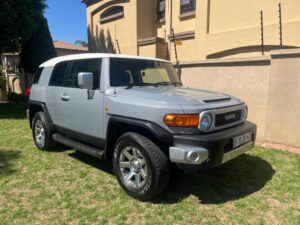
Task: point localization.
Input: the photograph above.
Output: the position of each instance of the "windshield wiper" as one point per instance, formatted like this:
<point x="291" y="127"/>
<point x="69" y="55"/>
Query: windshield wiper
<point x="167" y="83"/>
<point x="153" y="84"/>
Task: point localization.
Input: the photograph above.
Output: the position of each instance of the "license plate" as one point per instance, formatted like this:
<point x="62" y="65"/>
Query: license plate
<point x="242" y="139"/>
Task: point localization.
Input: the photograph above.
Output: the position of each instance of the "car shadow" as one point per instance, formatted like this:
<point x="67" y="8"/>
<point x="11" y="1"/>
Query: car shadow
<point x="6" y="161"/>
<point x="236" y="179"/>
<point x="100" y="164"/>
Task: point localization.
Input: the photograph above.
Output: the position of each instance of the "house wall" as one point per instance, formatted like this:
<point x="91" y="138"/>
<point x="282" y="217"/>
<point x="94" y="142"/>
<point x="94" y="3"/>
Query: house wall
<point x="124" y="30"/>
<point x="270" y="85"/>
<point x="233" y="27"/>
<point x="61" y="52"/>
<point x="223" y="29"/>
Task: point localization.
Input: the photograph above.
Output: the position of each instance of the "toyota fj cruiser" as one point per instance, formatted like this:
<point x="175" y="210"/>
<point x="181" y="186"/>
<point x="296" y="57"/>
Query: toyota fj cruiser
<point x="135" y="112"/>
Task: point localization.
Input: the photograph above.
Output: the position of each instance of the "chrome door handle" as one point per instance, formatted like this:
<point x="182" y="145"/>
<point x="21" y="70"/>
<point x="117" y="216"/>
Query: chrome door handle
<point x="65" y="97"/>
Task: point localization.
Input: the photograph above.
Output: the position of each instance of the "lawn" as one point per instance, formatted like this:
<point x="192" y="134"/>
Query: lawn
<point x="67" y="187"/>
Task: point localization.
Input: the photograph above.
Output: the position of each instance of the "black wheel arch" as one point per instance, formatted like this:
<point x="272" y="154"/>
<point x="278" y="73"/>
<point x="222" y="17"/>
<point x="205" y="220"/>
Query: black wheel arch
<point x="118" y="126"/>
<point x="34" y="107"/>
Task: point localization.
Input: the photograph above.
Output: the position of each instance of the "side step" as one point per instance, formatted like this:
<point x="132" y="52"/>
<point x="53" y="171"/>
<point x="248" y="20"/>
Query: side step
<point x="79" y="146"/>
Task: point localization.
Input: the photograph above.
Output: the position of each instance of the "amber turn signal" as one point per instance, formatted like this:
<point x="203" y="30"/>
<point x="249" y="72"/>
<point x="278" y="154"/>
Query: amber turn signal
<point x="182" y="120"/>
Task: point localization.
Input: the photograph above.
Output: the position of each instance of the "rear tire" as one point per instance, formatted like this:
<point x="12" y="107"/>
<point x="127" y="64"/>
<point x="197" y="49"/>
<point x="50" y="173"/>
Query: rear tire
<point x="42" y="132"/>
<point x="141" y="168"/>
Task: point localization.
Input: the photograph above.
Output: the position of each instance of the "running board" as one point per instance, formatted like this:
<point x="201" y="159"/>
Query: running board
<point x="79" y="146"/>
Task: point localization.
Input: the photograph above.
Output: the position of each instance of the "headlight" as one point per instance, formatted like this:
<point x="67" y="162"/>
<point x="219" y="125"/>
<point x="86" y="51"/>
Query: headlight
<point x="245" y="112"/>
<point x="205" y="121"/>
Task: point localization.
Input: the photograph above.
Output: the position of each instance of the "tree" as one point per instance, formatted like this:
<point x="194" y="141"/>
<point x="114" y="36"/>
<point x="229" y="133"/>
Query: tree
<point x="81" y="43"/>
<point x="38" y="48"/>
<point x="17" y="22"/>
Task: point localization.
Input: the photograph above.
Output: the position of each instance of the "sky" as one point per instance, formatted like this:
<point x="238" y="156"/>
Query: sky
<point x="67" y="20"/>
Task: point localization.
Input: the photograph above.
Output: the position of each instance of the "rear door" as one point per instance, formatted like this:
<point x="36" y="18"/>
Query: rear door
<point x="53" y="92"/>
<point x="81" y="115"/>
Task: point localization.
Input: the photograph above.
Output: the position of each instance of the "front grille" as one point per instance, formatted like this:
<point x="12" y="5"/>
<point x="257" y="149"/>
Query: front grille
<point x="228" y="118"/>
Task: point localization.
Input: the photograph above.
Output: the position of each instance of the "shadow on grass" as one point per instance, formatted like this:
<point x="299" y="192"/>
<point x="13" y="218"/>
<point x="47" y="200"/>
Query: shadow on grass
<point x="236" y="179"/>
<point x="12" y="110"/>
<point x="103" y="165"/>
<point x="6" y="164"/>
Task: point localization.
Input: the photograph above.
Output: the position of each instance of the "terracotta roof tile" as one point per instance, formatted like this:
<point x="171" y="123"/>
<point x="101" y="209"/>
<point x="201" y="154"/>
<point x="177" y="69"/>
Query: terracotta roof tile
<point x="64" y="45"/>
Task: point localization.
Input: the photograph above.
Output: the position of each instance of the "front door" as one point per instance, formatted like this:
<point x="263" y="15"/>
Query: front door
<point x="82" y="112"/>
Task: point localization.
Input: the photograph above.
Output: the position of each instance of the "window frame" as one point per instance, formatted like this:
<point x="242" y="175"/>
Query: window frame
<point x="115" y="16"/>
<point x="54" y="70"/>
<point x="70" y="64"/>
<point x="37" y="75"/>
<point x="160" y="15"/>
<point x="188" y="8"/>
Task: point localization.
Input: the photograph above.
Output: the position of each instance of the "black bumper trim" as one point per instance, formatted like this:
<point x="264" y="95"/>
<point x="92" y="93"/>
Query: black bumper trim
<point x="216" y="143"/>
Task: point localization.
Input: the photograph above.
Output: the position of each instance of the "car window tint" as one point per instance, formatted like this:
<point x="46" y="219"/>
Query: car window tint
<point x="58" y="74"/>
<point x="80" y="66"/>
<point x="37" y="75"/>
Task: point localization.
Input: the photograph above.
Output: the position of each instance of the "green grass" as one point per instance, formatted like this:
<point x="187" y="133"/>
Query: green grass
<point x="66" y="187"/>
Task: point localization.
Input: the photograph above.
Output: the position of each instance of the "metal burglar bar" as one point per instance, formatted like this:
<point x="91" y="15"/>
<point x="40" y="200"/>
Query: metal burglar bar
<point x="262" y="31"/>
<point x="280" y="25"/>
<point x="176" y="56"/>
<point x="118" y="46"/>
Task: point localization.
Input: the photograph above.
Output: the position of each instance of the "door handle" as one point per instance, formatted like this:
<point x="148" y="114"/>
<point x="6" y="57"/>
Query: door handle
<point x="65" y="97"/>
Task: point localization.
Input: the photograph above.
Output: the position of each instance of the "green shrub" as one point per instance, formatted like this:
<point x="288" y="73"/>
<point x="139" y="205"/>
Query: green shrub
<point x="2" y="81"/>
<point x="15" y="97"/>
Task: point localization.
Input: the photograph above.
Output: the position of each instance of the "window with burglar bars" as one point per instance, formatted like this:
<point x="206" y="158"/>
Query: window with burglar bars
<point x="187" y="6"/>
<point x="161" y="10"/>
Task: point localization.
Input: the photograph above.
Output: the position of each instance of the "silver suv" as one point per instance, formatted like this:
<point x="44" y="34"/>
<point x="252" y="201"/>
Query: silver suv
<point x="135" y="112"/>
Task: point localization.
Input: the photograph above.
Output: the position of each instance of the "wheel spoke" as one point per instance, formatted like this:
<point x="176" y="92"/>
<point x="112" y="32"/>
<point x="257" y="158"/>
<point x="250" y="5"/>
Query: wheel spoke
<point x="134" y="152"/>
<point x="143" y="162"/>
<point x="125" y="164"/>
<point x="143" y="174"/>
<point x="137" y="180"/>
<point x="129" y="176"/>
<point x="127" y="154"/>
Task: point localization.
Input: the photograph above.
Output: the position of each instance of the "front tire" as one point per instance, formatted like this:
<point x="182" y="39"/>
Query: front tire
<point x="42" y="132"/>
<point x="142" y="169"/>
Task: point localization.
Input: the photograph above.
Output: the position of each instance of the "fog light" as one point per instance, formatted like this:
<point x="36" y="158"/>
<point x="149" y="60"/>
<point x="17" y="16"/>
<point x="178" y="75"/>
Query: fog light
<point x="205" y="121"/>
<point x="193" y="156"/>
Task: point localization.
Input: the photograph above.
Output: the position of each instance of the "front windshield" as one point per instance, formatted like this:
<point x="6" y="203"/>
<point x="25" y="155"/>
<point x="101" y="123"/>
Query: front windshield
<point x="139" y="72"/>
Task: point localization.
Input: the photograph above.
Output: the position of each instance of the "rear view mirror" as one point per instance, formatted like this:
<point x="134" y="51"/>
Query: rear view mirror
<point x="85" y="80"/>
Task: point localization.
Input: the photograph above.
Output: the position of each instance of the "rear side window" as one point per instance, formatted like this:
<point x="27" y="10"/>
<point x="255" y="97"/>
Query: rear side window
<point x="79" y="66"/>
<point x="58" y="74"/>
<point x="37" y="75"/>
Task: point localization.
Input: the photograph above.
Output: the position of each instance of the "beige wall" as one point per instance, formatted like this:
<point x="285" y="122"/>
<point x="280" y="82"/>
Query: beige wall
<point x="223" y="29"/>
<point x="270" y="87"/>
<point x="232" y="28"/>
<point x="124" y="30"/>
<point x="248" y="80"/>
<point x="283" y="117"/>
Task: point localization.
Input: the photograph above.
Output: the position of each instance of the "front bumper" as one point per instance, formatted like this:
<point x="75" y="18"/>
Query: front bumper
<point x="211" y="150"/>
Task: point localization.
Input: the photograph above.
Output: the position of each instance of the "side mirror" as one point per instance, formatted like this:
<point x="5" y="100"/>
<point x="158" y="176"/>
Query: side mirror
<point x="85" y="80"/>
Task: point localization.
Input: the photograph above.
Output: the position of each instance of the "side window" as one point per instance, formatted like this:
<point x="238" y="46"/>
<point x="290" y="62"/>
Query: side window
<point x="187" y="6"/>
<point x="58" y="74"/>
<point x="90" y="66"/>
<point x="161" y="7"/>
<point x="37" y="76"/>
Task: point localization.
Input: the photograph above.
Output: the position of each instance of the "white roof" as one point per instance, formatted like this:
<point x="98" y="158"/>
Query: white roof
<point x="54" y="61"/>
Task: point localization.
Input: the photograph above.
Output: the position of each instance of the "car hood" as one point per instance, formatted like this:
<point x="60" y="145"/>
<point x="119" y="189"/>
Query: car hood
<point x="173" y="95"/>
